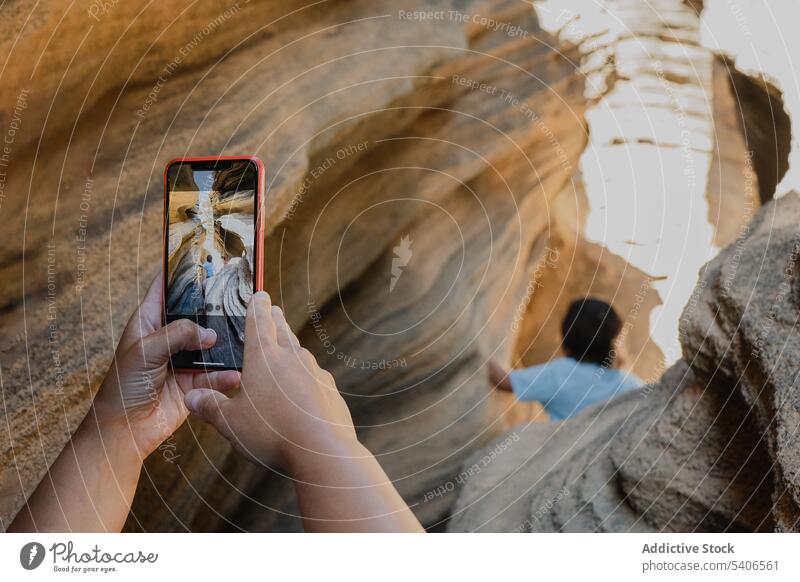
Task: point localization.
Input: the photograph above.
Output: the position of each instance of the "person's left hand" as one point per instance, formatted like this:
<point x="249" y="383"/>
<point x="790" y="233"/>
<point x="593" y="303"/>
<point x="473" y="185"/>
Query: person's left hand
<point x="141" y="398"/>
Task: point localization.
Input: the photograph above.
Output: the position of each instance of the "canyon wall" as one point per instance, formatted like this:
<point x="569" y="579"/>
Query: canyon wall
<point x="448" y="142"/>
<point x="710" y="447"/>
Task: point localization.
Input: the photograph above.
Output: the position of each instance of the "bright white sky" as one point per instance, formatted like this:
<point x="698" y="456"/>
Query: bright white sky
<point x="648" y="202"/>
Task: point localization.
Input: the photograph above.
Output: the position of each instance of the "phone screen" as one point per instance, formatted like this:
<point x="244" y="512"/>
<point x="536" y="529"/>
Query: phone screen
<point x="211" y="232"/>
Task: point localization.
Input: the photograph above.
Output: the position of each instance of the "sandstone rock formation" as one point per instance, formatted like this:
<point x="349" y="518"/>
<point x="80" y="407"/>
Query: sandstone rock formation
<point x="710" y="447"/>
<point x="457" y="135"/>
<point x="373" y="126"/>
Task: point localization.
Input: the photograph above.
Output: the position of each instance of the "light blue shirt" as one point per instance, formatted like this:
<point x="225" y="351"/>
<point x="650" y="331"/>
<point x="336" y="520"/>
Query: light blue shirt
<point x="565" y="386"/>
<point x="209" y="267"/>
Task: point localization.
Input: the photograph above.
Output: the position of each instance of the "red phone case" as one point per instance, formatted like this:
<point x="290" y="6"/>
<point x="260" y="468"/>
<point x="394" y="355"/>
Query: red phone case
<point x="259" y="234"/>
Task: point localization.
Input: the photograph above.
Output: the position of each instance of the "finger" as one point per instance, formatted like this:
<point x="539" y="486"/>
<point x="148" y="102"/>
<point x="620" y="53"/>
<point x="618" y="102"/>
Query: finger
<point x="221" y="381"/>
<point x="154" y="292"/>
<point x="208" y="405"/>
<point x="178" y="336"/>
<point x="147" y="317"/>
<point x="149" y="311"/>
<point x="327" y="381"/>
<point x="259" y="326"/>
<point x="283" y="332"/>
<point x="307" y="358"/>
<point x="326" y="377"/>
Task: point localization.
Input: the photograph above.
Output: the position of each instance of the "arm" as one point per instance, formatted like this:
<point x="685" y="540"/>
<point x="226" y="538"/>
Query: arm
<point x="91" y="485"/>
<point x="289" y="412"/>
<point x="346" y="490"/>
<point x="499" y="376"/>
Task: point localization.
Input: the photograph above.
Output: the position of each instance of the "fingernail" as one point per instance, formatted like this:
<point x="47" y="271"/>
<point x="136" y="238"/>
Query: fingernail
<point x="191" y="400"/>
<point x="208" y="337"/>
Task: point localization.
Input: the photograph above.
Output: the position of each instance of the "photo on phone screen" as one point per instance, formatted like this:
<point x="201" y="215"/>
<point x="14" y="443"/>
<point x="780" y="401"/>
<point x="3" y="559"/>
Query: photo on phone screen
<point x="210" y="238"/>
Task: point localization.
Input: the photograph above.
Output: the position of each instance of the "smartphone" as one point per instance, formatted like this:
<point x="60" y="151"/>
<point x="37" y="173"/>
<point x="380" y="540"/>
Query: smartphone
<point x="213" y="251"/>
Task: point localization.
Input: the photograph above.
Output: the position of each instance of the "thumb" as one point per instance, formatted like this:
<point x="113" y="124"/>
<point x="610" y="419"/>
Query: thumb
<point x="208" y="404"/>
<point x="177" y="336"/>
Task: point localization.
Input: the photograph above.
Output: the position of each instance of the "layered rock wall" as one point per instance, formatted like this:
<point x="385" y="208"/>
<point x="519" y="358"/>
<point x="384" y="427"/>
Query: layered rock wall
<point x="710" y="447"/>
<point x="374" y="125"/>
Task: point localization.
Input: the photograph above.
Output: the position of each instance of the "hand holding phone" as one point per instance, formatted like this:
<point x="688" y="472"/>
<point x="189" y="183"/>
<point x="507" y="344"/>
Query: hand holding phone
<point x="290" y="412"/>
<point x="140" y="399"/>
<point x="287" y="405"/>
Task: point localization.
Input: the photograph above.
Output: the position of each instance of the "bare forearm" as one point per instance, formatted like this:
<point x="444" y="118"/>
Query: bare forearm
<point x="348" y="492"/>
<point x="89" y="488"/>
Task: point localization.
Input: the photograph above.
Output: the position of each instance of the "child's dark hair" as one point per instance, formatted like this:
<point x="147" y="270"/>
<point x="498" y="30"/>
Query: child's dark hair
<point x="208" y="258"/>
<point x="589" y="329"/>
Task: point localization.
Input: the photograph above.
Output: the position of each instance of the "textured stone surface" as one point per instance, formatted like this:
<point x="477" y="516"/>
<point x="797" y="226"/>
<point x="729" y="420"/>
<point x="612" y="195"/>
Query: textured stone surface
<point x="711" y="447"/>
<point x="733" y="189"/>
<point x="373" y="128"/>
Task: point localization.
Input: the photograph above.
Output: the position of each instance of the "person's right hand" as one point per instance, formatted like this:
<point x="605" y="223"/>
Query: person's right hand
<point x="287" y="406"/>
<point x="289" y="412"/>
